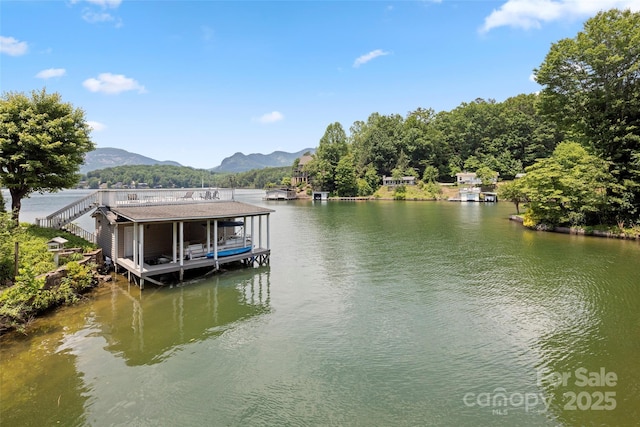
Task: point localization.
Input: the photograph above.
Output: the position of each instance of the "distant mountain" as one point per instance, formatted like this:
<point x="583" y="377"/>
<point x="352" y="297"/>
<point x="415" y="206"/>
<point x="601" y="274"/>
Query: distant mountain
<point x="102" y="158"/>
<point x="241" y="162"/>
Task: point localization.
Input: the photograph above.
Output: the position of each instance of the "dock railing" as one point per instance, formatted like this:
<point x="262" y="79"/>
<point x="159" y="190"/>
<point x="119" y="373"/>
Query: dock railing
<point x="62" y="218"/>
<point x="161" y="196"/>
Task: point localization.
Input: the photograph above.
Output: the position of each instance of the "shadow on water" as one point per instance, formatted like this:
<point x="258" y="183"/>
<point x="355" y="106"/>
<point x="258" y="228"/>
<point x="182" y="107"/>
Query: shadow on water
<point x="146" y="327"/>
<point x="62" y="371"/>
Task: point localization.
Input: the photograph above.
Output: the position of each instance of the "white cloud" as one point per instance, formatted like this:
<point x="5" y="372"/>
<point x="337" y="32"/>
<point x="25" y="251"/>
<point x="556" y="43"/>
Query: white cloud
<point x="368" y="57"/>
<point x="112" y="4"/>
<point x="112" y="84"/>
<point x="51" y="72"/>
<point x="532" y="78"/>
<point x="96" y="17"/>
<point x="272" y="117"/>
<point x="96" y="126"/>
<point x="13" y="47"/>
<point x="527" y="14"/>
<point x="106" y="3"/>
<point x="93" y="16"/>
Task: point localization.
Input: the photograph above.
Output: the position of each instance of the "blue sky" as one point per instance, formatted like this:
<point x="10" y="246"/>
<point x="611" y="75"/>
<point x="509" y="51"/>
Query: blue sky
<point x="197" y="81"/>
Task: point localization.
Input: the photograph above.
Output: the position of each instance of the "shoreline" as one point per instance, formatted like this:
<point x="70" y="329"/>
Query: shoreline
<point x="579" y="231"/>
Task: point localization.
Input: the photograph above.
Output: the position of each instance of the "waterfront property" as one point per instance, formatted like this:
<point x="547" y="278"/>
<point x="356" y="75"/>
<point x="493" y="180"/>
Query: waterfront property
<point x="300" y="175"/>
<point x="469" y="194"/>
<point x="475" y="194"/>
<point x="390" y="181"/>
<point x="470" y="178"/>
<point x="150" y="234"/>
<point x="321" y="195"/>
<point x="281" y="194"/>
<point x="467" y="178"/>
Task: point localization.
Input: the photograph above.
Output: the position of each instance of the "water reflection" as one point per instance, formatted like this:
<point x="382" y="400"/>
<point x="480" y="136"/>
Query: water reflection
<point x="153" y="324"/>
<point x="39" y="381"/>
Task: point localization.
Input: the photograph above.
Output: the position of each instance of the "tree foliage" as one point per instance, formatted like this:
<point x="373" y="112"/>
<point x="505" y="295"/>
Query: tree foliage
<point x="503" y="137"/>
<point x="512" y="191"/>
<point x="570" y="187"/>
<point x="592" y="91"/>
<point x="169" y="176"/>
<point x="43" y="142"/>
<point x="333" y="146"/>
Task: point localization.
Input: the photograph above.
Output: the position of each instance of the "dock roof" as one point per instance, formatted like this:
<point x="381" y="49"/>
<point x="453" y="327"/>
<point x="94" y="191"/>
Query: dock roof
<point x="189" y="211"/>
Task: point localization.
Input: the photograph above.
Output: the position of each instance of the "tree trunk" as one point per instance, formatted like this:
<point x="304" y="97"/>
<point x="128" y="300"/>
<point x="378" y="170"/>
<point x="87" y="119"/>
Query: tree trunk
<point x="16" y="204"/>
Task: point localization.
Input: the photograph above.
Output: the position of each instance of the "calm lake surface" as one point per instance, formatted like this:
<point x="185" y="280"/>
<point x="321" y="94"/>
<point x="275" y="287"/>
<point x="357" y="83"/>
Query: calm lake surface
<point x="370" y="313"/>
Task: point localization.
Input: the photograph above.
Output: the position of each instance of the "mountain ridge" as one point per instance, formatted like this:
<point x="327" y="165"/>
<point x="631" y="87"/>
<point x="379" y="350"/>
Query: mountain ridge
<point x="102" y="158"/>
<point x="240" y="162"/>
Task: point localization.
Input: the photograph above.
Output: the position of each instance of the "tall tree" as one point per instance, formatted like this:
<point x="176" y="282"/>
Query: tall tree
<point x="346" y="180"/>
<point x="512" y="191"/>
<point x="333" y="146"/>
<point x="43" y="142"/>
<point x="591" y="87"/>
<point x="570" y="187"/>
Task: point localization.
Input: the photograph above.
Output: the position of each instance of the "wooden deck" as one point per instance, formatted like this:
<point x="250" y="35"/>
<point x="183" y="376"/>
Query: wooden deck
<point x="152" y="272"/>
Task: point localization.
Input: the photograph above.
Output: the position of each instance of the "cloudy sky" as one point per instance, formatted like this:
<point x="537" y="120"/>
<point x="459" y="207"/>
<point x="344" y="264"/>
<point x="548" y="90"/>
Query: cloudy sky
<point x="197" y="81"/>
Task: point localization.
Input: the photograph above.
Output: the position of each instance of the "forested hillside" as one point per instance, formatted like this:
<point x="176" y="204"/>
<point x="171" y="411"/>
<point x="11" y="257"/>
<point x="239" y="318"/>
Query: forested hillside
<point x="164" y="176"/>
<point x="578" y="140"/>
<point x="505" y="137"/>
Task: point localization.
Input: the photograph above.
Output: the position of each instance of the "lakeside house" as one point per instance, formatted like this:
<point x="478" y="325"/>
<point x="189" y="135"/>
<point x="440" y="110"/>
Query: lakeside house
<point x="151" y="234"/>
<point x="394" y="182"/>
<point x="299" y="175"/>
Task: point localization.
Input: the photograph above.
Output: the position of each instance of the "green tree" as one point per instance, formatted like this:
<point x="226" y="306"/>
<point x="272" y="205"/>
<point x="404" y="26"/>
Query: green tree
<point x="486" y="176"/>
<point x="591" y="88"/>
<point x="333" y="146"/>
<point x="570" y="187"/>
<point x="346" y="181"/>
<point x="512" y="191"/>
<point x="430" y="174"/>
<point x="43" y="142"/>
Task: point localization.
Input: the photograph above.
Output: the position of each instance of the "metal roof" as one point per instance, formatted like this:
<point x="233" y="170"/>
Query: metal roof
<point x="189" y="211"/>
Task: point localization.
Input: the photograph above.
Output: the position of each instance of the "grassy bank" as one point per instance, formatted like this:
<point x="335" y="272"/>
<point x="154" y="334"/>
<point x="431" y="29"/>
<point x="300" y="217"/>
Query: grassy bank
<point x="25" y="294"/>
<point x="421" y="191"/>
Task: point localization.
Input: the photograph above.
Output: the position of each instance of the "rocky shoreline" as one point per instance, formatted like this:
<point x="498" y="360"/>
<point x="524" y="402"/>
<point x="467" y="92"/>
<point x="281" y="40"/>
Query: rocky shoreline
<point x="578" y="230"/>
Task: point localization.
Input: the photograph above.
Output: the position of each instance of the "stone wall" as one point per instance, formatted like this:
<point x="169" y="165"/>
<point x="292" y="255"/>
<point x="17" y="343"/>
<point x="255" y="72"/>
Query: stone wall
<point x="54" y="278"/>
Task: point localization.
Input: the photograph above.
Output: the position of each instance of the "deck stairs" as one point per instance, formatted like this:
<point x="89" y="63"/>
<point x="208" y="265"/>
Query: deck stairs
<point x="63" y="218"/>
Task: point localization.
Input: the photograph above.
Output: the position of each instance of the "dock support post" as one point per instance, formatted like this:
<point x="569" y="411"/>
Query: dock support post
<point x="215" y="242"/>
<point x="175" y="242"/>
<point x="208" y="235"/>
<point x="268" y="236"/>
<point x="252" y="233"/>
<point x="181" y="243"/>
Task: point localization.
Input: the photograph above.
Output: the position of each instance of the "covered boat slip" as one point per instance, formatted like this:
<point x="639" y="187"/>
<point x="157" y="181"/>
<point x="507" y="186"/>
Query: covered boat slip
<point x="151" y="241"/>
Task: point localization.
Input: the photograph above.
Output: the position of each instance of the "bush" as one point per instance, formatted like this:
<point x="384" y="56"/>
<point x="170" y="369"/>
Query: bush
<point x="400" y="192"/>
<point x="529" y="220"/>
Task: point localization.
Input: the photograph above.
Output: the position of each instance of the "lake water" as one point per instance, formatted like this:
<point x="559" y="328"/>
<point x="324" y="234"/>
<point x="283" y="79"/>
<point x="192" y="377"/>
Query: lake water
<point x="370" y="313"/>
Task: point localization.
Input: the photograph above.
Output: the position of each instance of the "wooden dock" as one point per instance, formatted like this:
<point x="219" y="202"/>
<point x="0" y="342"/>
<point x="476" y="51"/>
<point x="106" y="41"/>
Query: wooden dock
<point x="153" y="273"/>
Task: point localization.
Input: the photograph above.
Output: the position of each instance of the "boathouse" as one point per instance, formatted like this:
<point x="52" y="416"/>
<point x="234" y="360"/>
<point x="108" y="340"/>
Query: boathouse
<point x="151" y="234"/>
<point x="281" y="194"/>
